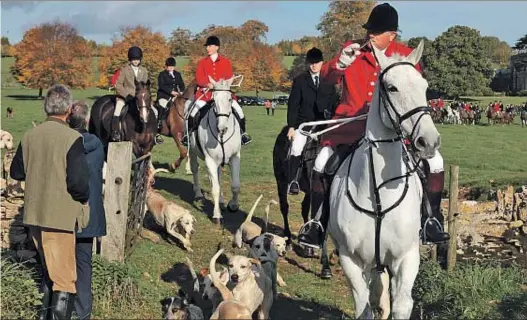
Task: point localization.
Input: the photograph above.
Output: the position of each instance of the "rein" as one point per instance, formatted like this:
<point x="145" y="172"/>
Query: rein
<point x="412" y="166"/>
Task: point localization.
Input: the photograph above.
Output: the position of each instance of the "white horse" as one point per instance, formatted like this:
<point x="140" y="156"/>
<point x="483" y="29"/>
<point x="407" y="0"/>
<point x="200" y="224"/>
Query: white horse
<point x="380" y="177"/>
<point x="218" y="142"/>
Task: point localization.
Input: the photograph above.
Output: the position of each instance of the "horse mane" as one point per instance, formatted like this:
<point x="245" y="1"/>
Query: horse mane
<point x="190" y="90"/>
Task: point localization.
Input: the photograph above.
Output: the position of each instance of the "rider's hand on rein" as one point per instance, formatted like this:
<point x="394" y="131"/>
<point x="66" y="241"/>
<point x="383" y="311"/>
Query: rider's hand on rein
<point x="348" y="55"/>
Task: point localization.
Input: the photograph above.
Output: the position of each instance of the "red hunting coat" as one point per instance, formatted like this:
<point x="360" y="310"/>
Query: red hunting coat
<point x="219" y="69"/>
<point x="359" y="84"/>
<point x="440" y="103"/>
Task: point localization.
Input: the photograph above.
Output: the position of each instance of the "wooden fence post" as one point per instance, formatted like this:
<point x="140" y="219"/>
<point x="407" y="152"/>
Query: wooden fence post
<point x="116" y="195"/>
<point x="452" y="214"/>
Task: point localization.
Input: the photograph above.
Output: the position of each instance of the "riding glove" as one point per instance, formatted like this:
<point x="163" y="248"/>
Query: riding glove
<point x="348" y="55"/>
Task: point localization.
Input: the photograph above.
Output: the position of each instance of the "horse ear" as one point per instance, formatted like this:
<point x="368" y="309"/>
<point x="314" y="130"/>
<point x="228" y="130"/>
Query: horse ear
<point x="212" y="80"/>
<point x="381" y="58"/>
<point x="415" y="56"/>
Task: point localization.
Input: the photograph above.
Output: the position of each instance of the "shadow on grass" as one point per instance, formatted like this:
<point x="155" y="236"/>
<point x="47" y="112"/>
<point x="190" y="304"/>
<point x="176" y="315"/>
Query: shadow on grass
<point x="24" y="97"/>
<point x="514" y="307"/>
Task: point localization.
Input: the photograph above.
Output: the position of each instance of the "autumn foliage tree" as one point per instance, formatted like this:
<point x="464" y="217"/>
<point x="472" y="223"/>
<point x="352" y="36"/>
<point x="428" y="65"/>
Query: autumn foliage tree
<point x="52" y="53"/>
<point x="260" y="64"/>
<point x="7" y="48"/>
<point x="342" y="22"/>
<point x="155" y="51"/>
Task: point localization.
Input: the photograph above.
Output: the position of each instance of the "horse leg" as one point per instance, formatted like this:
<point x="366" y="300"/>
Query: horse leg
<point x="324" y="260"/>
<point x="182" y="154"/>
<point x="222" y="201"/>
<point x="193" y="159"/>
<point x="404" y="274"/>
<point x="188" y="170"/>
<point x="233" y="205"/>
<point x="359" y="286"/>
<point x="284" y="210"/>
<point x="213" y="175"/>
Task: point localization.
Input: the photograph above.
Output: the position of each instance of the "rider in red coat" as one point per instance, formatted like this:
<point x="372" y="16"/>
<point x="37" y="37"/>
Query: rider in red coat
<point x="217" y="67"/>
<point x="359" y="71"/>
<point x="440" y="103"/>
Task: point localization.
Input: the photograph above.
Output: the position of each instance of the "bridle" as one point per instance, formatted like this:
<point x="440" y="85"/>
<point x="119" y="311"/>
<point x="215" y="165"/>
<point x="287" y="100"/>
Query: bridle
<point x="218" y="114"/>
<point x="410" y="161"/>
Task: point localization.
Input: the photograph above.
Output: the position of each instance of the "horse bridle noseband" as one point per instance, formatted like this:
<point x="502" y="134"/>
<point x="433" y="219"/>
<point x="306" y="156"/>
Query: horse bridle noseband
<point x="216" y="111"/>
<point x="378" y="212"/>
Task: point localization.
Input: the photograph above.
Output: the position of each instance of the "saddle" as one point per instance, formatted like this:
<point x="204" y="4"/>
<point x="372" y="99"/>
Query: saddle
<point x="341" y="153"/>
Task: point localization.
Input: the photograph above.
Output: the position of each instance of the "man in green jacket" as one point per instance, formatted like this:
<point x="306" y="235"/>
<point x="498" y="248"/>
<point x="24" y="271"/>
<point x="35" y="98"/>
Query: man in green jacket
<point x="51" y="160"/>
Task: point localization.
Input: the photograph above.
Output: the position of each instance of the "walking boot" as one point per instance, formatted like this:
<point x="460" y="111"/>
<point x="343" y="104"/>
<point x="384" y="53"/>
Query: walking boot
<point x="62" y="304"/>
<point x="294" y="172"/>
<point x="115" y="128"/>
<point x="312" y="233"/>
<point x="45" y="289"/>
<point x="432" y="218"/>
<point x="190" y="128"/>
<point x="161" y="116"/>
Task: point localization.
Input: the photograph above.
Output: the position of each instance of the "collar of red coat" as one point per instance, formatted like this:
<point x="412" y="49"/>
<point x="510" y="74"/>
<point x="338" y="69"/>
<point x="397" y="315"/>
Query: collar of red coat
<point x="220" y="57"/>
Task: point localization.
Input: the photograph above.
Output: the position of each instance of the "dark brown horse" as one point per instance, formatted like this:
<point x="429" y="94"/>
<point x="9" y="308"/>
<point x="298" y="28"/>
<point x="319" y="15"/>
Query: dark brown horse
<point x="174" y="124"/>
<point x="281" y="174"/>
<point x="467" y="117"/>
<point x="138" y="125"/>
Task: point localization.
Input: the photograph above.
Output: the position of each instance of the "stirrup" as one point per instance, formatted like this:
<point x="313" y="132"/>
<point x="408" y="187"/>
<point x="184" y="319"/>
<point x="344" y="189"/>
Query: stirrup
<point x="423" y="229"/>
<point x="303" y="230"/>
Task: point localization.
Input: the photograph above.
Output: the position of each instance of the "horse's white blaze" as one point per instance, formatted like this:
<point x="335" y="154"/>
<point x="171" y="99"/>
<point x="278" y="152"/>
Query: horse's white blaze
<point x="353" y="231"/>
<point x="211" y="131"/>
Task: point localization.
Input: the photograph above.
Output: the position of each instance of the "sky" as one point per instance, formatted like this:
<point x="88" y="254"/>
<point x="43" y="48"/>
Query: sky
<point x="100" y="20"/>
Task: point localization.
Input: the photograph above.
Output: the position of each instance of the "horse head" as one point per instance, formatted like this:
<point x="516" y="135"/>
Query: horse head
<point x="143" y="99"/>
<point x="403" y="104"/>
<point x="222" y="95"/>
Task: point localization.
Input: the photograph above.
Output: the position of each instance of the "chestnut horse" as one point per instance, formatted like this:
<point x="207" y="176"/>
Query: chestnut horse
<point x="174" y="124"/>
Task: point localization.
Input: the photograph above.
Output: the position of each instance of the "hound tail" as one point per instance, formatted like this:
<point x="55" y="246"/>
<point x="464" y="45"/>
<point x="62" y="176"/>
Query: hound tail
<point x="250" y="215"/>
<point x="194" y="275"/>
<point x="226" y="294"/>
<point x="267" y="208"/>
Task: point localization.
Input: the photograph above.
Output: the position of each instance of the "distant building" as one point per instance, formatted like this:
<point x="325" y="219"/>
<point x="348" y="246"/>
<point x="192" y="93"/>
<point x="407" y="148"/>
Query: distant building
<point x="518" y="69"/>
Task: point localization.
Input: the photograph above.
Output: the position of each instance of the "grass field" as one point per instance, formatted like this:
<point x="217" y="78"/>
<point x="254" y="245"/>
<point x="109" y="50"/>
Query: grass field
<point x="482" y="152"/>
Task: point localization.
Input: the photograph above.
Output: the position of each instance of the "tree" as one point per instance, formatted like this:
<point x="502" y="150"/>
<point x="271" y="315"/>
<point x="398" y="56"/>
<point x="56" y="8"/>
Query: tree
<point x="5" y="41"/>
<point x="52" y="53"/>
<point x="7" y="48"/>
<point x="342" y="22"/>
<point x="429" y="53"/>
<point x="180" y="41"/>
<point x="461" y="65"/>
<point x="499" y="51"/>
<point x="259" y="63"/>
<point x="155" y="52"/>
<point x="521" y="43"/>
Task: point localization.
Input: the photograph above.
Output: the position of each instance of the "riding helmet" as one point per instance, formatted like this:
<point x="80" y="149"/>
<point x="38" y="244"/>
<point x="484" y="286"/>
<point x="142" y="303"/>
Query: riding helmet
<point x="382" y="18"/>
<point x="212" y="40"/>
<point x="170" y="62"/>
<point x="314" y="55"/>
<point x="135" y="53"/>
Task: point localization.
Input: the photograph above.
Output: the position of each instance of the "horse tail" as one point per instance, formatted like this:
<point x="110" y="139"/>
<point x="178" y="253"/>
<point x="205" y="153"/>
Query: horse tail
<point x="250" y="215"/>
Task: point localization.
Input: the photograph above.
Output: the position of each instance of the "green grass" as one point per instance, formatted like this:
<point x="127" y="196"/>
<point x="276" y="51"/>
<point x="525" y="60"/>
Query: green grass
<point x="484" y="101"/>
<point x="482" y="152"/>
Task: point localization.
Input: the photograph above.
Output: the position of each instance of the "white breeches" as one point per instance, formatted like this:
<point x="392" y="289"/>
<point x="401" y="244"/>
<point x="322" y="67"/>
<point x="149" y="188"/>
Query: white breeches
<point x="163" y="102"/>
<point x="322" y="159"/>
<point x="435" y="163"/>
<point x="119" y="104"/>
<point x="298" y="144"/>
<point x="200" y="103"/>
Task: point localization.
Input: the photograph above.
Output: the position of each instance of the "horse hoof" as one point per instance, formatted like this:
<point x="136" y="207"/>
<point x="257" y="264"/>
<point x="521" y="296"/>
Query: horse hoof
<point x="198" y="198"/>
<point x="216" y="221"/>
<point x="188" y="173"/>
<point x="325" y="274"/>
<point x="232" y="208"/>
<point x="309" y="252"/>
<point x="222" y="207"/>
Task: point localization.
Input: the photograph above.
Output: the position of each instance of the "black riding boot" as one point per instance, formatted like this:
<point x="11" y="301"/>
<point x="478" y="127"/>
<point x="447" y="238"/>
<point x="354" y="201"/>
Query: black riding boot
<point x="312" y="233"/>
<point x="45" y="289"/>
<point x="190" y="128"/>
<point x="116" y="131"/>
<point x="62" y="305"/>
<point x="432" y="218"/>
<point x="161" y="116"/>
<point x="294" y="172"/>
<point x="246" y="138"/>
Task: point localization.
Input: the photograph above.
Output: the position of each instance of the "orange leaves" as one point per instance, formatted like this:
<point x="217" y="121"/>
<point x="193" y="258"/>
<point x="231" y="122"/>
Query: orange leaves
<point x="259" y="63"/>
<point x="155" y="52"/>
<point x="52" y="53"/>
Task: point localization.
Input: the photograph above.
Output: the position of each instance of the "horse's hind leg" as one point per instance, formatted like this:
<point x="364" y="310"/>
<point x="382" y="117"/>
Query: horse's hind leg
<point x="359" y="286"/>
<point x="193" y="159"/>
<point x="324" y="260"/>
<point x="233" y="205"/>
<point x="404" y="274"/>
<point x="188" y="170"/>
<point x="284" y="210"/>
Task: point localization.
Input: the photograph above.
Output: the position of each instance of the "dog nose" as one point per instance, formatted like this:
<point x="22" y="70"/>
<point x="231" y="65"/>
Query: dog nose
<point x="192" y="232"/>
<point x="234" y="278"/>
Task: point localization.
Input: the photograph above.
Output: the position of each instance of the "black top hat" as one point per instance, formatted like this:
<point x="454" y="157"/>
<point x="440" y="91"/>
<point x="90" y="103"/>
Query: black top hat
<point x="382" y="18"/>
<point x="170" y="62"/>
<point x="212" y="40"/>
<point x="314" y="55"/>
